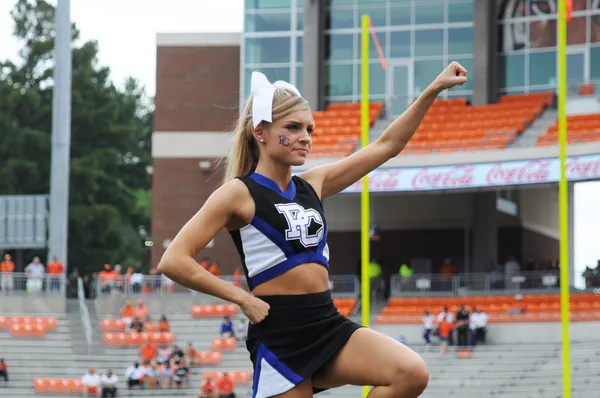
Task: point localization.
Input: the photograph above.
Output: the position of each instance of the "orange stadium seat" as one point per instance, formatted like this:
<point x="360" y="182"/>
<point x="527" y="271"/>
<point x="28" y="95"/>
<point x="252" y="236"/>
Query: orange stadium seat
<point x="530" y="308"/>
<point x="581" y="128"/>
<point x="47" y="323"/>
<point x="60" y="386"/>
<point x="587" y="89"/>
<point x="216" y="310"/>
<point x="219" y="345"/>
<point x="238" y="377"/>
<point x="133" y="339"/>
<point x="345" y="305"/>
<point x="209" y="358"/>
<point x="27" y="330"/>
<point x="452" y="125"/>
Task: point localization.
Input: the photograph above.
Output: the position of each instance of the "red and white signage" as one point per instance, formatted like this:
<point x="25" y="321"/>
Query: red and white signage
<point x="480" y="175"/>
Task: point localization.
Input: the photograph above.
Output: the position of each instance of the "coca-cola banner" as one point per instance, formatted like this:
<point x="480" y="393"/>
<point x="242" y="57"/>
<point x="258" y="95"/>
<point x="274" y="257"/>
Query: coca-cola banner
<point x="520" y="172"/>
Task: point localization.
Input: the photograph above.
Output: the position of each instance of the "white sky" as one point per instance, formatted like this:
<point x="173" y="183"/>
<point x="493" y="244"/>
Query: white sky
<point x="126" y="31"/>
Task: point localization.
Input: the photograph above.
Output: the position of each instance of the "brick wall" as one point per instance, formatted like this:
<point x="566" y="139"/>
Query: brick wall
<point x="197" y="89"/>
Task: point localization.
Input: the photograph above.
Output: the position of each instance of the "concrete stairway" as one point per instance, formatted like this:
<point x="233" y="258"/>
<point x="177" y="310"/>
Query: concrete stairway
<point x="537" y="128"/>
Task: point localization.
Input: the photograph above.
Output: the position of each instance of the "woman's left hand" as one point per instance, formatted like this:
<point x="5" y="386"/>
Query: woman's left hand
<point x="453" y="75"/>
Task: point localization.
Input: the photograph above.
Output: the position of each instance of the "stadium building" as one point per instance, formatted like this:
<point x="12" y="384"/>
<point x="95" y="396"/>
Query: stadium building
<point x="478" y="181"/>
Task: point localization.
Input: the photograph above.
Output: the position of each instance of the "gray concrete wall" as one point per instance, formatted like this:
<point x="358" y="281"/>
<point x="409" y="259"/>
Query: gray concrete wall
<point x="313" y="53"/>
<point x="28" y="304"/>
<point x="510" y="333"/>
<point x="485" y="47"/>
<point x="177" y="304"/>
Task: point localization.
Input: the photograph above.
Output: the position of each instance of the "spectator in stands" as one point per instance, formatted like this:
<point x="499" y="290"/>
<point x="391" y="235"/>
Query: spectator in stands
<point x="478" y="322"/>
<point x="147" y="352"/>
<point x="448" y="270"/>
<point x="447" y="316"/>
<point x="181" y="374"/>
<point x="148" y="324"/>
<point x="109" y="381"/>
<point x="166" y="375"/>
<point x="91" y="381"/>
<point x="444" y="330"/>
<point x="241" y="329"/>
<point x="135" y="376"/>
<point x="191" y="355"/>
<point x="3" y="370"/>
<point x="225" y="387"/>
<point x="427" y="326"/>
<point x="140" y="310"/>
<point x="511" y="269"/>
<point x="7" y="267"/>
<point x="136" y="325"/>
<point x="72" y="284"/>
<point x="106" y="279"/>
<point x="35" y="275"/>
<point x="119" y="282"/>
<point x="227" y="328"/>
<point x="208" y="389"/>
<point x="176" y="354"/>
<point x="127" y="314"/>
<point x="136" y="282"/>
<point x="462" y="326"/>
<point x="163" y="325"/>
<point x="163" y="354"/>
<point x="55" y="273"/>
<point x="152" y="376"/>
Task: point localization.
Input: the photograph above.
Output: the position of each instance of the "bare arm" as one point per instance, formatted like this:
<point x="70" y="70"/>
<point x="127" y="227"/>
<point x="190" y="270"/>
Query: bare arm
<point x="336" y="177"/>
<point x="178" y="261"/>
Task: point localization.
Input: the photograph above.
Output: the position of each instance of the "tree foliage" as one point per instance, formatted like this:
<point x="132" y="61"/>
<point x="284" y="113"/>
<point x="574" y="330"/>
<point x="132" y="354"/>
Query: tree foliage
<point x="110" y="141"/>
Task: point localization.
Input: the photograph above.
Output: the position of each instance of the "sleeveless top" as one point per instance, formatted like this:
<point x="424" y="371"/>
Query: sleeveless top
<point x="288" y="229"/>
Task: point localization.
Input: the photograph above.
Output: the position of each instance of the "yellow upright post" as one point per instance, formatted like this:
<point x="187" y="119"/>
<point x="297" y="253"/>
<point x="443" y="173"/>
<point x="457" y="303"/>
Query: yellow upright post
<point x="563" y="196"/>
<point x="364" y="194"/>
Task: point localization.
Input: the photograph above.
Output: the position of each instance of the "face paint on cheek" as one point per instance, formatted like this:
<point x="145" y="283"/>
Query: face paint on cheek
<point x="284" y="140"/>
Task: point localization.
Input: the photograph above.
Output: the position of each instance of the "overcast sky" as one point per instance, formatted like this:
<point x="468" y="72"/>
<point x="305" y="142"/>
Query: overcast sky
<point x="126" y="31"/>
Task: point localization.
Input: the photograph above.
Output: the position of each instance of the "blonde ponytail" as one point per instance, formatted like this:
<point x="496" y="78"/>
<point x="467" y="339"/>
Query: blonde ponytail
<point x="244" y="154"/>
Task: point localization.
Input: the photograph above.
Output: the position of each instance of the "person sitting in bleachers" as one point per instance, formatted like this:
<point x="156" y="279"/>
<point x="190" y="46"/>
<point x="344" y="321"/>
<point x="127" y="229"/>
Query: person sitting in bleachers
<point x="478" y="324"/>
<point x="227" y="328"/>
<point x="181" y="374"/>
<point x="90" y="381"/>
<point x="127" y="314"/>
<point x="176" y="354"/>
<point x="241" y="329"/>
<point x="108" y="382"/>
<point x="135" y="376"/>
<point x="3" y="370"/>
<point x="163" y="354"/>
<point x="190" y="355"/>
<point x="163" y="325"/>
<point x="148" y="324"/>
<point x="166" y="375"/>
<point x="140" y="310"/>
<point x="136" y="325"/>
<point x="209" y="389"/>
<point x="226" y="387"/>
<point x="147" y="352"/>
<point x="152" y="375"/>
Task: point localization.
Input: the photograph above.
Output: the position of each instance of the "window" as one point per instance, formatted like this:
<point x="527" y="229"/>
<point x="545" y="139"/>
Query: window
<point x="340" y="19"/>
<point x="460" y="12"/>
<point x="299" y="48"/>
<point x="371" y="2"/>
<point x="376" y="79"/>
<point x="543" y="33"/>
<point x="340" y="80"/>
<point x="340" y="47"/>
<point x="263" y="50"/>
<point x="425" y="72"/>
<point x="300" y="20"/>
<point x="400" y="15"/>
<point x="400" y="44"/>
<point x="299" y="78"/>
<point x="266" y="4"/>
<point x="595" y="63"/>
<point x="429" y="42"/>
<point x="268" y="22"/>
<point x="334" y="3"/>
<point x="542" y="68"/>
<point x="273" y="74"/>
<point x="512" y="71"/>
<point x="575" y="65"/>
<point x="377" y="14"/>
<point x="460" y="41"/>
<point x="373" y="54"/>
<point x="429" y="13"/>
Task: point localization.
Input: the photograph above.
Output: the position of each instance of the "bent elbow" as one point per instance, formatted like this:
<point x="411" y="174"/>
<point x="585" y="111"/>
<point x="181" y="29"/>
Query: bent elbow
<point x="164" y="265"/>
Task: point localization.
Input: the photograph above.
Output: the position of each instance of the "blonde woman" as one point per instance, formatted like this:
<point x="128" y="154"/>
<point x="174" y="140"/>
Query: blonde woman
<point x="298" y="342"/>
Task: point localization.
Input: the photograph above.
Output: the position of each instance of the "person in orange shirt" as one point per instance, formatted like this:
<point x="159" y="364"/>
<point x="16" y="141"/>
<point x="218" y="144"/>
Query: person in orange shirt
<point x="106" y="279"/>
<point x="445" y="328"/>
<point x="192" y="355"/>
<point x="214" y="269"/>
<point x="127" y="313"/>
<point x="163" y="325"/>
<point x="3" y="370"/>
<point x="147" y="352"/>
<point x="140" y="310"/>
<point x="225" y="386"/>
<point x="55" y="271"/>
<point x="208" y="389"/>
<point x="7" y="267"/>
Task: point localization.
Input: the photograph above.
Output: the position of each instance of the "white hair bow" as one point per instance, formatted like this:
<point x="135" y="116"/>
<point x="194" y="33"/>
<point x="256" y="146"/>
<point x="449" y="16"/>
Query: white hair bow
<point x="263" y="90"/>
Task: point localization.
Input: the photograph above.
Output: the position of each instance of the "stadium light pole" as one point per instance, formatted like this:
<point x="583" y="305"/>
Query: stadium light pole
<point x="564" y="11"/>
<point x="61" y="135"/>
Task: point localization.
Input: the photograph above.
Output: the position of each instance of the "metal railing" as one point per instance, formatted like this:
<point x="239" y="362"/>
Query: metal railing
<point x="534" y="282"/>
<point x="340" y="285"/>
<point x="85" y="315"/>
<point x="19" y="283"/>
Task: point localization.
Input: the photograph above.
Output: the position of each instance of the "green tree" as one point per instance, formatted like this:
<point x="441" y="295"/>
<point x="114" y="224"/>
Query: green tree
<point x="110" y="144"/>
